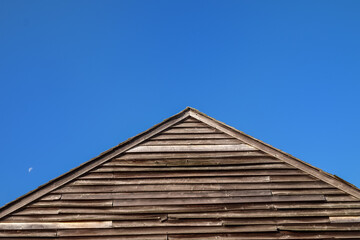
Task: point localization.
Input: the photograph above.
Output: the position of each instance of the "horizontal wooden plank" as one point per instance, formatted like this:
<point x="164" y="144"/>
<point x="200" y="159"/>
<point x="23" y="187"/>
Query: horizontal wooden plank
<point x="169" y="230"/>
<point x="178" y="201"/>
<point x="295" y="205"/>
<point x="55" y="225"/>
<point x="348" y="219"/>
<point x="154" y="195"/>
<point x="189" y="124"/>
<point x="30" y="215"/>
<point x="253" y="170"/>
<point x="320" y="227"/>
<point x="192" y="148"/>
<point x="168" y="223"/>
<point x="266" y="213"/>
<point x="269" y="236"/>
<point x="189" y="173"/>
<point x="191" y="136"/>
<point x="273" y="221"/>
<point x="327" y="191"/>
<point x="62" y="203"/>
<point x="190" y="130"/>
<point x="189" y="187"/>
<point x="253" y="163"/>
<point x="144" y="181"/>
<point x="27" y="233"/>
<point x="342" y="198"/>
<point x="224" y="141"/>
<point x="194" y="155"/>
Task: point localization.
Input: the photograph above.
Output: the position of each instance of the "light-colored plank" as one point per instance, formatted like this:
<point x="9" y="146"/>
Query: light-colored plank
<point x="348" y="219"/>
<point x="192" y="148"/>
<point x="55" y="225"/>
<point x="224" y="141"/>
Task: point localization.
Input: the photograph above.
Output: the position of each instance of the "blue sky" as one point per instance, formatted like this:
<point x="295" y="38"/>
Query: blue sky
<point x="78" y="77"/>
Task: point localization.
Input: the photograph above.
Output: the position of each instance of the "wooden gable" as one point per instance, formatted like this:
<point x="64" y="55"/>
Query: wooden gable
<point x="190" y="177"/>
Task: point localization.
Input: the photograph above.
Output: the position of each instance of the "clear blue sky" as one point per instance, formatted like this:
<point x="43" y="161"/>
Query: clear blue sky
<point x="78" y="77"/>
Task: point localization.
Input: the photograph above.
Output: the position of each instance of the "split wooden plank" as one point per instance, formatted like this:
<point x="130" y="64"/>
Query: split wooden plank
<point x="192" y="148"/>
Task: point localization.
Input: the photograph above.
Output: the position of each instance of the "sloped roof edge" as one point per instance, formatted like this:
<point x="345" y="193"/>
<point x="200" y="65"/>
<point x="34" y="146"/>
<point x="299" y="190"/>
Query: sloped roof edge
<point x="131" y="142"/>
<point x="308" y="168"/>
<point x="90" y="164"/>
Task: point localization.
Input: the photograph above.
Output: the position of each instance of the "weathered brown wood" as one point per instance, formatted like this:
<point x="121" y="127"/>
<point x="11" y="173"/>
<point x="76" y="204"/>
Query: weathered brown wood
<point x="190" y="130"/>
<point x="172" y="142"/>
<point x="327" y="191"/>
<point x="342" y="198"/>
<point x="320" y="227"/>
<point x="253" y="170"/>
<point x="150" y="195"/>
<point x="188" y="187"/>
<point x="264" y="214"/>
<point x="348" y="219"/>
<point x="192" y="148"/>
<point x="256" y="179"/>
<point x="97" y="203"/>
<point x="252" y="163"/>
<point x="178" y="201"/>
<point x="191" y="136"/>
<point x="169" y="230"/>
<point x="190" y="155"/>
<point x="51" y="197"/>
<point x="27" y="233"/>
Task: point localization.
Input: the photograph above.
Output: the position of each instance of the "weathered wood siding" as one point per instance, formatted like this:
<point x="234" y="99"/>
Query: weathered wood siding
<point x="190" y="182"/>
